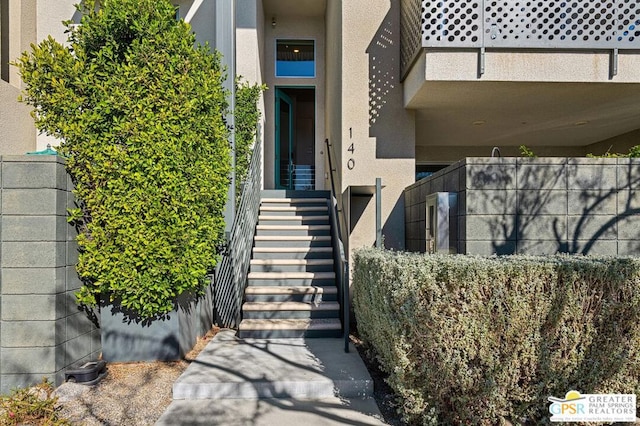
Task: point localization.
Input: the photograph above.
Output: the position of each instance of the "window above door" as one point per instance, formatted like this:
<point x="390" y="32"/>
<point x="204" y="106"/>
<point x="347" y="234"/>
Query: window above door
<point x="295" y="58"/>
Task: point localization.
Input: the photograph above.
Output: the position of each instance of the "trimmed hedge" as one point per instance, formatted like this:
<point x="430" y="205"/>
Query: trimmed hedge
<point x="141" y="113"/>
<point x="471" y="340"/>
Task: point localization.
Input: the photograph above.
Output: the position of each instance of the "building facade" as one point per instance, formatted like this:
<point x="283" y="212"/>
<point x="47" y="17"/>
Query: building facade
<point x="399" y="88"/>
<point x="364" y="97"/>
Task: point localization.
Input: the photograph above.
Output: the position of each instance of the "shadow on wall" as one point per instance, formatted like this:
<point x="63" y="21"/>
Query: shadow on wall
<point x="562" y="207"/>
<point x="385" y="89"/>
<point x="392" y="238"/>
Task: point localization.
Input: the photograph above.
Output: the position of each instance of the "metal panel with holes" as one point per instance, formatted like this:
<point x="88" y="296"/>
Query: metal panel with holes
<point x="543" y="24"/>
<point x="452" y="23"/>
<point x="410" y="31"/>
<point x="562" y="24"/>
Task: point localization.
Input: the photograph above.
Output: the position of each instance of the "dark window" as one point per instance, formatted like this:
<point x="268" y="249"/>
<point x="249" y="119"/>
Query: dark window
<point x="295" y="58"/>
<point x="426" y="170"/>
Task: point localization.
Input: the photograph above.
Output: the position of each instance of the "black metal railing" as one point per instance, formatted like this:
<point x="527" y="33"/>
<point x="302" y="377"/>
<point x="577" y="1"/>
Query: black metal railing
<point x="231" y="273"/>
<point x="338" y="229"/>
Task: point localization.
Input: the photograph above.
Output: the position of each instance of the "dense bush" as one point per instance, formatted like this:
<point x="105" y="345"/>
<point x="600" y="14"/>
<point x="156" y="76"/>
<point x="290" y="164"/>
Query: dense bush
<point x="247" y="115"/>
<point x="140" y="111"/>
<point x="470" y="340"/>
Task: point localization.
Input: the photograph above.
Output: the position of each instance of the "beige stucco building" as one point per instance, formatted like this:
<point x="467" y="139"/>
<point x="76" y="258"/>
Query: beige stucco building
<point x="398" y="87"/>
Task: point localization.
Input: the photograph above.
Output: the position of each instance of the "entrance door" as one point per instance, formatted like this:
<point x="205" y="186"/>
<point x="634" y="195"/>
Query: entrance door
<point x="295" y="138"/>
<point x="284" y="140"/>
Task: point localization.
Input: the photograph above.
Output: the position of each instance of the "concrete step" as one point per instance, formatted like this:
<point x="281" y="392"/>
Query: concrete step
<point x="289" y="328"/>
<point x="291" y="278"/>
<point x="331" y="411"/>
<point x="291" y="265"/>
<point x="293" y="252"/>
<point x="284" y="193"/>
<point x="310" y="294"/>
<point x="290" y="310"/>
<point x="293" y="210"/>
<point x="292" y="241"/>
<point x="292" y="220"/>
<point x="290" y="201"/>
<point x="230" y="367"/>
<point x="293" y="230"/>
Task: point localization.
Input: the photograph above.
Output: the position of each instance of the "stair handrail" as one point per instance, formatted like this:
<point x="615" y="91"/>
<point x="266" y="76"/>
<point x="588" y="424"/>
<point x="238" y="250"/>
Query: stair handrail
<point x="232" y="270"/>
<point x="340" y="259"/>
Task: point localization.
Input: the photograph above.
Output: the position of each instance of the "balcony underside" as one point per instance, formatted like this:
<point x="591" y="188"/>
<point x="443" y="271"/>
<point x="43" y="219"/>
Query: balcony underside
<point x="535" y="98"/>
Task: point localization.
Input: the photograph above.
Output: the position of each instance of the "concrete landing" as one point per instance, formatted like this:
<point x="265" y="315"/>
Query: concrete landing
<point x="297" y="381"/>
<point x="272" y="412"/>
<point x="233" y="368"/>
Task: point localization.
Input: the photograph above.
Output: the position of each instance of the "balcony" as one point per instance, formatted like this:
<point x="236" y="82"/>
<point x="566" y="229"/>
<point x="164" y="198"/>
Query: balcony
<point x="484" y="24"/>
<point x="542" y="73"/>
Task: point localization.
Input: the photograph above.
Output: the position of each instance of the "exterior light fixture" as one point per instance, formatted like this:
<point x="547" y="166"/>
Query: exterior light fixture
<point x="273" y="22"/>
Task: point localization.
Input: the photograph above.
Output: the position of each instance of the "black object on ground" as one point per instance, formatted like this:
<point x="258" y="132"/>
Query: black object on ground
<point x="87" y="374"/>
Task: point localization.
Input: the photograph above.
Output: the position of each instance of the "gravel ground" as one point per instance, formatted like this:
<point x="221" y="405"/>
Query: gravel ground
<point x="138" y="393"/>
<point x="131" y="393"/>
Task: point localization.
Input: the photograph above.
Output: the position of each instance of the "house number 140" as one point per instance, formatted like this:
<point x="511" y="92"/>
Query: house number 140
<point x="351" y="163"/>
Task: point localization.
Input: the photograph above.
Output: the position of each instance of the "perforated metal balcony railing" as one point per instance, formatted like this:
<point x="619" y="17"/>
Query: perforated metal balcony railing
<point x="509" y="24"/>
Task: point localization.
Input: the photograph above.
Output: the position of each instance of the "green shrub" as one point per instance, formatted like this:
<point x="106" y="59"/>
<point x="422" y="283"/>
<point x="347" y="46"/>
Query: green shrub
<point x="471" y="340"/>
<point x="33" y="406"/>
<point x="527" y="152"/>
<point x="140" y="111"/>
<point x="247" y="116"/>
<point x="634" y="152"/>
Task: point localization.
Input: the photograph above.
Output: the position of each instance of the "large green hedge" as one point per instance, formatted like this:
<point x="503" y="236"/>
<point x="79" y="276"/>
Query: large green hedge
<point x="140" y="111"/>
<point x="471" y="340"/>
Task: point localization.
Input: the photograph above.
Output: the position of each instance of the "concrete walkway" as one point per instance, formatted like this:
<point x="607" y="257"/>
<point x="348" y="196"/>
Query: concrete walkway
<point x="273" y="382"/>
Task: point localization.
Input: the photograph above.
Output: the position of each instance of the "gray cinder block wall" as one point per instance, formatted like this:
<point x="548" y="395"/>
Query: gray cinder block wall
<point x="536" y="205"/>
<point x="42" y="331"/>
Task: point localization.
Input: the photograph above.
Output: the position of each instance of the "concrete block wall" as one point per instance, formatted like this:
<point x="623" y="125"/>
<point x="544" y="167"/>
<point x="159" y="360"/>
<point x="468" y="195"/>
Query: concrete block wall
<point x="445" y="180"/>
<point x="42" y="331"/>
<point x="536" y="205"/>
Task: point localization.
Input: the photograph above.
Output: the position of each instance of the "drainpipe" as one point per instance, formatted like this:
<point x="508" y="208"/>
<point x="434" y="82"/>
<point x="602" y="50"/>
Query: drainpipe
<point x="379" y="212"/>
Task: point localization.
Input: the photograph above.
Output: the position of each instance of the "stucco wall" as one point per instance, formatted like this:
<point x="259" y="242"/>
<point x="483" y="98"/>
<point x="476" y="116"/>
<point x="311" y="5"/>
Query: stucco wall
<point x="17" y="132"/>
<point x="29" y="21"/>
<point x="42" y="331"/>
<point x="333" y="112"/>
<point x="377" y="135"/>
<point x="250" y="48"/>
<point x="536" y="206"/>
<point x="292" y="27"/>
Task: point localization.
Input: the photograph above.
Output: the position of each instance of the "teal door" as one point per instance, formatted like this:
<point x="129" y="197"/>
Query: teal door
<point x="284" y="141"/>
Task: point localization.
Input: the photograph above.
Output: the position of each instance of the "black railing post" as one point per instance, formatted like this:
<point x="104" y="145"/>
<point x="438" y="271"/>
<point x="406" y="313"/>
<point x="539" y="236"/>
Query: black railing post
<point x="342" y="268"/>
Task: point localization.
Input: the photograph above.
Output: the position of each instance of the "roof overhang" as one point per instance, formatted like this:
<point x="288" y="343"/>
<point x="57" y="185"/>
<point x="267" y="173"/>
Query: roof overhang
<point x="301" y="8"/>
<point x="530" y="98"/>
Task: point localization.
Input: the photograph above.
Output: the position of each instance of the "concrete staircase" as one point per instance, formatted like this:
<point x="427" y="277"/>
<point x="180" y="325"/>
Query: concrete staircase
<point x="271" y="373"/>
<point x="291" y="290"/>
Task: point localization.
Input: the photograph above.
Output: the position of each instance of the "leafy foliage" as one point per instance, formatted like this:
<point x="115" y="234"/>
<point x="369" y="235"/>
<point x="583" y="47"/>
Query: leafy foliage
<point x="527" y="152"/>
<point x="247" y="115"/>
<point x="140" y="111"/>
<point x="634" y="152"/>
<point x="34" y="406"/>
<point x="471" y="340"/>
